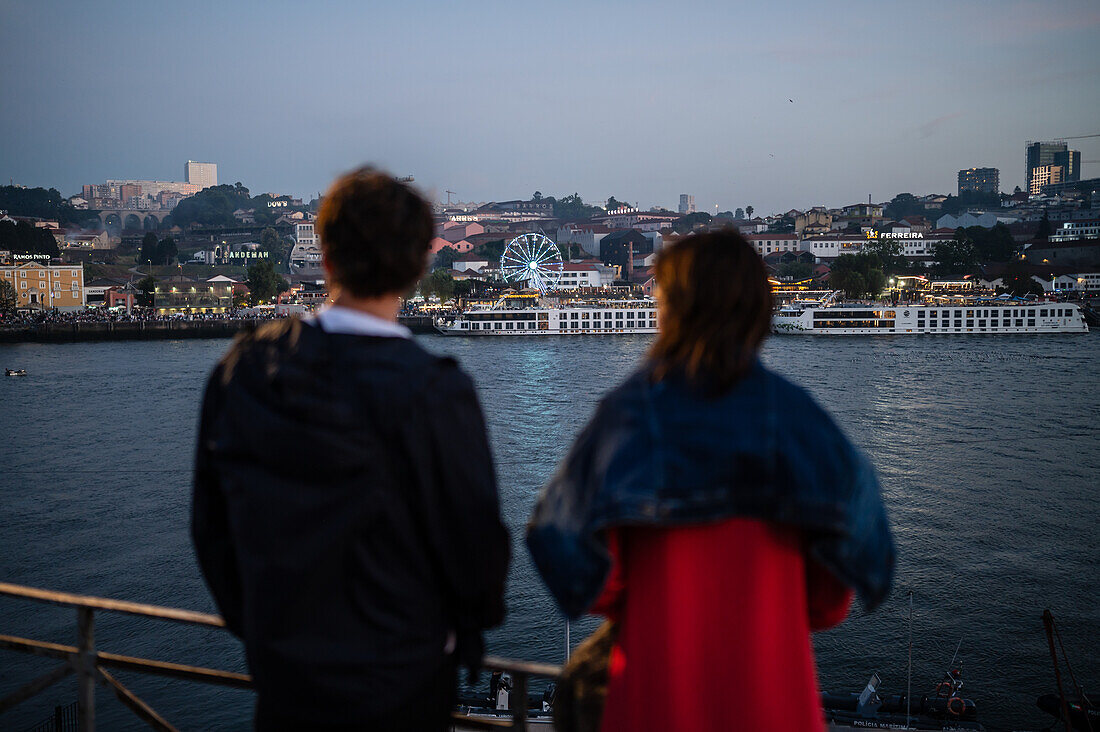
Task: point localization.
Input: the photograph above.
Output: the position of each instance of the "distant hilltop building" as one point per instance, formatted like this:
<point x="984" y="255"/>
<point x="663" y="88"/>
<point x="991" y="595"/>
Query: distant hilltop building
<point x="150" y="195"/>
<point x="1048" y="163"/>
<point x="980" y="180"/>
<point x="687" y="203"/>
<point x="201" y="174"/>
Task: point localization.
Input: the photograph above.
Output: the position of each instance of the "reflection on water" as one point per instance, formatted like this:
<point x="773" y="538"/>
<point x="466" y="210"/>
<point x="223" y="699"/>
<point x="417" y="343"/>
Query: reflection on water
<point x="987" y="448"/>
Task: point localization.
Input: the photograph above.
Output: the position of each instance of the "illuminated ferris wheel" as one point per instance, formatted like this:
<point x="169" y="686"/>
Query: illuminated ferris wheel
<point x="534" y="259"/>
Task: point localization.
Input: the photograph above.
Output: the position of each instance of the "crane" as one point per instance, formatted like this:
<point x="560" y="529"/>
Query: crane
<point x="449" y="194"/>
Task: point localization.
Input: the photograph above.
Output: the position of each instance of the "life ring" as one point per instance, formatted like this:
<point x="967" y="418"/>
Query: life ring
<point x="951" y="707"/>
<point x="944" y="689"/>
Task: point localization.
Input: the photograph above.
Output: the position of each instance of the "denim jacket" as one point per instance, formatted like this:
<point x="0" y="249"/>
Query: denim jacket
<point x="657" y="454"/>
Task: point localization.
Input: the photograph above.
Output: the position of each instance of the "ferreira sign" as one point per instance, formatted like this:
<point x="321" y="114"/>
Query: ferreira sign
<point x="872" y="234"/>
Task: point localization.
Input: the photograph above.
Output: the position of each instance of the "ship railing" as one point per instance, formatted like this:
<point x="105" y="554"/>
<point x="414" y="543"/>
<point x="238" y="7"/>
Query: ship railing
<point x="93" y="667"/>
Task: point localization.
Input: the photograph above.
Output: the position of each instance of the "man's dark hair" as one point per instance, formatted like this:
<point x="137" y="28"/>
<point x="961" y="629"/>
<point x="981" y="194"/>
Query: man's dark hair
<point x="715" y="306"/>
<point x="375" y="233"/>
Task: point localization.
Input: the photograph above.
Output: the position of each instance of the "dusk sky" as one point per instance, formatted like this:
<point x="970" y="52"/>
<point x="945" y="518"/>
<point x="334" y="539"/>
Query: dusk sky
<point x="496" y="100"/>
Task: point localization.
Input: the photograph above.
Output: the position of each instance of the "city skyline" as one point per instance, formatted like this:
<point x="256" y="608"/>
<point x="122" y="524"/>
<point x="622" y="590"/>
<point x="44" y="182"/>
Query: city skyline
<point x="774" y="107"/>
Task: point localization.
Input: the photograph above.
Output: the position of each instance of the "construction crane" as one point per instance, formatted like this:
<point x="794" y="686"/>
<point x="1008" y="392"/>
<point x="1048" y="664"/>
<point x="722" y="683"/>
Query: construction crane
<point x="1079" y="137"/>
<point x="449" y="194"/>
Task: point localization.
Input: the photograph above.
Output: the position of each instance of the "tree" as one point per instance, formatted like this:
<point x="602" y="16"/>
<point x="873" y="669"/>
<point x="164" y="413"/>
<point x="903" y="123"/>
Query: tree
<point x="888" y="252"/>
<point x="572" y="208"/>
<point x="992" y="245"/>
<point x="748" y="211"/>
<point x="465" y="288"/>
<point x="739" y="213"/>
<point x="166" y="250"/>
<point x="902" y="205"/>
<point x="146" y="287"/>
<point x="857" y="275"/>
<point x="274" y="245"/>
<point x="1018" y="281"/>
<point x="263" y="283"/>
<point x="955" y="256"/>
<point x="24" y="238"/>
<point x="536" y="196"/>
<point x="42" y="203"/>
<point x="8" y="300"/>
<point x="438" y="283"/>
<point x="446" y="257"/>
<point x="212" y="206"/>
<point x="795" y="270"/>
<point x="149" y="247"/>
<point x="686" y="224"/>
<point x="614" y="203"/>
<point x="1044" y="228"/>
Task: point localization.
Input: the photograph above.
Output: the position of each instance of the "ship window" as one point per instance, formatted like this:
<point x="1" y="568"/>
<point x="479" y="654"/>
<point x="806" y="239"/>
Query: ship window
<point x="1019" y="323"/>
<point x="969" y="323"/>
<point x="981" y="323"/>
<point x="1031" y="321"/>
<point x="994" y="323"/>
<point x="1043" y="313"/>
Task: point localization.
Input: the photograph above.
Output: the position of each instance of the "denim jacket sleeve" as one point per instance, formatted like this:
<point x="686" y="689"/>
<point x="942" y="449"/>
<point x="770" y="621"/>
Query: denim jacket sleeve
<point x="571" y="558"/>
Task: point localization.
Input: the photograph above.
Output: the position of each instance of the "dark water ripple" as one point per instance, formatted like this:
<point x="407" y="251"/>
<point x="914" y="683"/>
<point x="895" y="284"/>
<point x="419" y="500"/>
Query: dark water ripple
<point x="988" y="449"/>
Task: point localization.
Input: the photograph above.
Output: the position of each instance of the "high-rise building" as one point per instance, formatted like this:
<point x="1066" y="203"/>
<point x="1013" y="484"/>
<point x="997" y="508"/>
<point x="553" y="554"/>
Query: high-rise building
<point x="687" y="203"/>
<point x="1043" y="154"/>
<point x="201" y="174"/>
<point x="982" y="180"/>
<point x="1045" y="175"/>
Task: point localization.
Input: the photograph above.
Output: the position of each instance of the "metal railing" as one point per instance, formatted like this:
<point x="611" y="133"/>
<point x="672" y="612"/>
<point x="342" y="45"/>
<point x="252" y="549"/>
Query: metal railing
<point x="91" y="665"/>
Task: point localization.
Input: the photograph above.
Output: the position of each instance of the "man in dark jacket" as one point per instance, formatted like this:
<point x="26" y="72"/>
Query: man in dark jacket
<point x="345" y="509"/>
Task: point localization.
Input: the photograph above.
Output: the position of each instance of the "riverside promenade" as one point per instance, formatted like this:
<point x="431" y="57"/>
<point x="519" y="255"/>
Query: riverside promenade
<point x="151" y="330"/>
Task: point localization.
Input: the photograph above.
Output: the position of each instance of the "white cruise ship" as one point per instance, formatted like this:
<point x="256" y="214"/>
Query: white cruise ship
<point x="599" y="317"/>
<point x="973" y="315"/>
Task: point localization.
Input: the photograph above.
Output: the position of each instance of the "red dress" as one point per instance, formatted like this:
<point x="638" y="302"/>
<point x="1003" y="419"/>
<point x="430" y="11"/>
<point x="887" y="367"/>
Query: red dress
<point x="714" y="628"/>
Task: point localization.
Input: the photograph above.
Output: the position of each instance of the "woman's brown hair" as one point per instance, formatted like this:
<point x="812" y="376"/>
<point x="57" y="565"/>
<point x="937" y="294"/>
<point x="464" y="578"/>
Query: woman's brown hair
<point x="715" y="309"/>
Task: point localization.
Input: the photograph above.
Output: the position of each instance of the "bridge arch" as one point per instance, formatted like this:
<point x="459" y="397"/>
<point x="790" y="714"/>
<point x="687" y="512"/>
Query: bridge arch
<point x="112" y="222"/>
<point x="151" y="223"/>
<point x="132" y="222"/>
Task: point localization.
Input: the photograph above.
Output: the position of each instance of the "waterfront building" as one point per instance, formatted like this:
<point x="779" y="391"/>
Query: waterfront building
<point x="1071" y="230"/>
<point x="44" y="286"/>
<point x="183" y="295"/>
<point x="980" y="180"/>
<point x="587" y="236"/>
<point x="621" y="248"/>
<point x="305" y="255"/>
<point x="575" y="275"/>
<point x="768" y="243"/>
<point x="1082" y="253"/>
<point x="827" y="247"/>
<point x="201" y="174"/>
<point x="984" y="219"/>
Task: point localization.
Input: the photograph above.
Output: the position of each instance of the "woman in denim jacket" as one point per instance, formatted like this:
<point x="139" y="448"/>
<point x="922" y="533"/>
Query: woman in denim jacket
<point x="715" y="511"/>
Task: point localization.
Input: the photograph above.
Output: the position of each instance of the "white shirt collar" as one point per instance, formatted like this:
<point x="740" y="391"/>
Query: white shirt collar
<point x="337" y="319"/>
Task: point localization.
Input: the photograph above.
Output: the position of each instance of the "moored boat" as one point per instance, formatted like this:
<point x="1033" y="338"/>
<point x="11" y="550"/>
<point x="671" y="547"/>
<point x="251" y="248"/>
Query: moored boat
<point x="992" y="316"/>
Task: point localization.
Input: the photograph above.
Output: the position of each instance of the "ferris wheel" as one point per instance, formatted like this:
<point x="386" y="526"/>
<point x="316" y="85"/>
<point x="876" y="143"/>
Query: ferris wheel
<point x="532" y="258"/>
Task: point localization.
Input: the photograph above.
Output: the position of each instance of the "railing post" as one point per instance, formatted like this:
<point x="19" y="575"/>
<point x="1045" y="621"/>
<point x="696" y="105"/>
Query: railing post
<point x="519" y="702"/>
<point x="85" y="668"/>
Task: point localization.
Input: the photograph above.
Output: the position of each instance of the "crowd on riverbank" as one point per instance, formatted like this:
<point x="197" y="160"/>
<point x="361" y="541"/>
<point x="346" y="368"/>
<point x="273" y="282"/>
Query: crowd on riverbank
<point x="23" y="319"/>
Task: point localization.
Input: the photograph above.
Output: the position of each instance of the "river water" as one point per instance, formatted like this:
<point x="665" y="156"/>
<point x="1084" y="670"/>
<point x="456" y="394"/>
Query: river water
<point x="988" y="448"/>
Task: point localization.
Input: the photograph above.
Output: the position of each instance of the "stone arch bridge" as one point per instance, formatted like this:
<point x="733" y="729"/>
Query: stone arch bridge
<point x="117" y="220"/>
